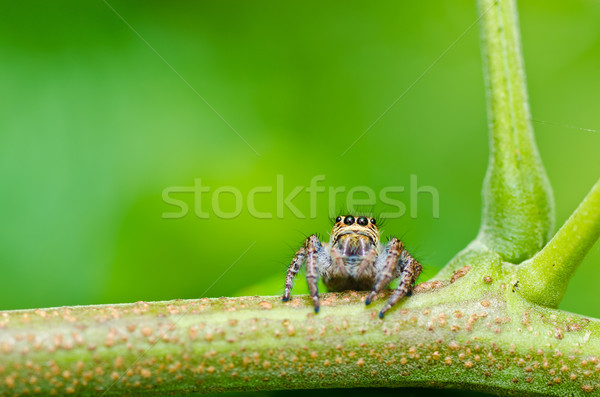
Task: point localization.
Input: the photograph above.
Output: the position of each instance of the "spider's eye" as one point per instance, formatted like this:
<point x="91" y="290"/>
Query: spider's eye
<point x="349" y="220"/>
<point x="338" y="219"/>
<point x="373" y="221"/>
<point x="362" y="221"/>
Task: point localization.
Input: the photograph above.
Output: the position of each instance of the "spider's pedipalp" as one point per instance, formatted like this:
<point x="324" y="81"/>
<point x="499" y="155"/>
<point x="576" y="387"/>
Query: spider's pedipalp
<point x="338" y="266"/>
<point x="367" y="264"/>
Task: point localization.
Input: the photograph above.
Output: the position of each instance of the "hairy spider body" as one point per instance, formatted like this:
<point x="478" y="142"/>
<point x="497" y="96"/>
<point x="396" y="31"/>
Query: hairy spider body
<point x="354" y="259"/>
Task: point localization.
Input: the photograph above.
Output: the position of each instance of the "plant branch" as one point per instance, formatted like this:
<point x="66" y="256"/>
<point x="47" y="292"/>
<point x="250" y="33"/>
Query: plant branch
<point x="544" y="278"/>
<point x="259" y="343"/>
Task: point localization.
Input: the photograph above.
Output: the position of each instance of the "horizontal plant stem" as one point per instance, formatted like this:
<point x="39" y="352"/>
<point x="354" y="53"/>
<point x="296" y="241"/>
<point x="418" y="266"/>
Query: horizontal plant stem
<point x="260" y="343"/>
<point x="545" y="277"/>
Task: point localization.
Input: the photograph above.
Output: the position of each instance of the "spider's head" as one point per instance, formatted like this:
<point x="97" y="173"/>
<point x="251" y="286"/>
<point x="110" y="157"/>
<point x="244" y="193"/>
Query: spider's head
<point x="358" y="226"/>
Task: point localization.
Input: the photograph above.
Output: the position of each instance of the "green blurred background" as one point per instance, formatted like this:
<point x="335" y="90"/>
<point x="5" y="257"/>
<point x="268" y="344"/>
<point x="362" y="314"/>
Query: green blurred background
<point x="94" y="125"/>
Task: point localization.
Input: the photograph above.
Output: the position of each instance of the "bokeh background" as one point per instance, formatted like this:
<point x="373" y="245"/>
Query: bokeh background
<point x="94" y="124"/>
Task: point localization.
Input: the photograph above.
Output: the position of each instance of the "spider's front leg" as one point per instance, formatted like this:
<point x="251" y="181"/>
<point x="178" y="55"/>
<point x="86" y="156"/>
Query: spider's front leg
<point x="409" y="270"/>
<point x="386" y="266"/>
<point x="316" y="258"/>
<point x="298" y="260"/>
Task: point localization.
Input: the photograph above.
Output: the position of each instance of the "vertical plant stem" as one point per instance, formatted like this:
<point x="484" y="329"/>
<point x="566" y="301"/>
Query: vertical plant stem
<point x="518" y="212"/>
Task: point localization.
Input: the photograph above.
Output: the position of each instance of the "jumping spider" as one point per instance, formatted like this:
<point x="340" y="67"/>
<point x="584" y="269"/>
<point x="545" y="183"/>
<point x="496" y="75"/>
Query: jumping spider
<point x="355" y="260"/>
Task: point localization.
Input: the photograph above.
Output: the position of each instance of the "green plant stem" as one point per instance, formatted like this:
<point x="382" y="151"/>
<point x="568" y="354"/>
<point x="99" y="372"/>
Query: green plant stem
<point x="518" y="212"/>
<point x="518" y="209"/>
<point x="544" y="278"/>
<point x="259" y="343"/>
